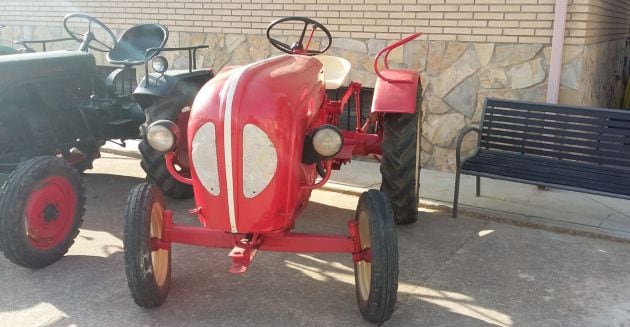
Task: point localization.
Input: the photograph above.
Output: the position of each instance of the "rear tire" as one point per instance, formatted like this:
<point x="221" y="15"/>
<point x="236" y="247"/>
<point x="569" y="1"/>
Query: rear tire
<point x="148" y="272"/>
<point x="400" y="167"/>
<point x="41" y="209"/>
<point x="154" y="165"/>
<point x="377" y="281"/>
<point x="153" y="161"/>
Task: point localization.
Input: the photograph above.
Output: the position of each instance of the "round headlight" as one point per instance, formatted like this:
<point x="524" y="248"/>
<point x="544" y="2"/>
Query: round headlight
<point x="162" y="135"/>
<point x="327" y="141"/>
<point x="159" y="64"/>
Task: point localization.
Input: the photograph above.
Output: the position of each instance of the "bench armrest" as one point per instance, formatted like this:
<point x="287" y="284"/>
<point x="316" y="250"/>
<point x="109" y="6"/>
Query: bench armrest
<point x="460" y="140"/>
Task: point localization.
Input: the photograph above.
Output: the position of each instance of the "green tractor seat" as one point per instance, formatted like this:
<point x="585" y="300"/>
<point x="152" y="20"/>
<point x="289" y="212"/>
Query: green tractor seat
<point x="132" y="45"/>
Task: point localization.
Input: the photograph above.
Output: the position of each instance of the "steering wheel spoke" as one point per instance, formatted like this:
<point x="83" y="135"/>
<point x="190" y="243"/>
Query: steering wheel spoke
<point x="280" y="44"/>
<point x="301" y="42"/>
<point x="103" y="44"/>
<point x="298" y="48"/>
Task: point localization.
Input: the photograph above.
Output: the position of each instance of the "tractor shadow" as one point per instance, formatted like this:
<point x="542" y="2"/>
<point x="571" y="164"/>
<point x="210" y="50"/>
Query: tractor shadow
<point x="88" y="286"/>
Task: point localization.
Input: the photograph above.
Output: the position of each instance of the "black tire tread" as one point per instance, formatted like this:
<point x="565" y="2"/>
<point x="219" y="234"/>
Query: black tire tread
<point x="153" y="162"/>
<point x="154" y="165"/>
<point x="384" y="244"/>
<point x="144" y="290"/>
<point x="398" y="167"/>
<point x="13" y="196"/>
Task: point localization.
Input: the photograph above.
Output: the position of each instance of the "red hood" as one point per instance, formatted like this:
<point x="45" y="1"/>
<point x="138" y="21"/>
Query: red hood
<point x="277" y="98"/>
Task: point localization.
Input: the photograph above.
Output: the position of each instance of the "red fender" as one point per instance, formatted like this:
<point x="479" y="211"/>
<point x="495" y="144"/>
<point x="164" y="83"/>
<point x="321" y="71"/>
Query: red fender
<point x="396" y="89"/>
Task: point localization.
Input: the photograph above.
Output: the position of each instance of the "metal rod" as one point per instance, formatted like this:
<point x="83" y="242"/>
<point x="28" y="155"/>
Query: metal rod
<point x="282" y="242"/>
<point x="478" y="193"/>
<point x="190" y="60"/>
<point x="153" y="51"/>
<point x="456" y="195"/>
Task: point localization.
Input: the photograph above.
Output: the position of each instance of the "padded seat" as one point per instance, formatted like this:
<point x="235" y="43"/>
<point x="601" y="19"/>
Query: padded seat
<point x="336" y="71"/>
<point x="132" y="45"/>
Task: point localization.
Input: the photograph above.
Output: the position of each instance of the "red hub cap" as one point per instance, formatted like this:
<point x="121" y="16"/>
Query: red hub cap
<point x="49" y="213"/>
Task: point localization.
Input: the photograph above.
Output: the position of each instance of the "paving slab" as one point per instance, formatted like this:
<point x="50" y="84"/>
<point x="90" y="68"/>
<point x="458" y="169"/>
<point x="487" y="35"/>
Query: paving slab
<point x="453" y="272"/>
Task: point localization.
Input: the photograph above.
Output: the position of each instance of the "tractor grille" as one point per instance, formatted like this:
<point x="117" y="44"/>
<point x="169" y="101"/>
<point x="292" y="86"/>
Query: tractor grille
<point x="348" y="119"/>
<point x="125" y="82"/>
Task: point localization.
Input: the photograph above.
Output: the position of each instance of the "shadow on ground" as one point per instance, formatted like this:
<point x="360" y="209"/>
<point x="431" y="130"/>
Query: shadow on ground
<point x="463" y="272"/>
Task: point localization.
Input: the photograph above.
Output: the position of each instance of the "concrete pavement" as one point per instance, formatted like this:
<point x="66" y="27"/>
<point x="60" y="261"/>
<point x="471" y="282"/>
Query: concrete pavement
<point x="553" y="209"/>
<point x="463" y="272"/>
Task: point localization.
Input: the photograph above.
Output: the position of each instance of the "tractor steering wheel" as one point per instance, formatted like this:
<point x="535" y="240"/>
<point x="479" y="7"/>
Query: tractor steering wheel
<point x="298" y="47"/>
<point x="86" y="38"/>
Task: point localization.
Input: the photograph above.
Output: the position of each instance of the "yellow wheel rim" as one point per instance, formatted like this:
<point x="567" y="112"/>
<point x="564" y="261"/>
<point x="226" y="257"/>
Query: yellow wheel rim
<point x="364" y="269"/>
<point x="159" y="258"/>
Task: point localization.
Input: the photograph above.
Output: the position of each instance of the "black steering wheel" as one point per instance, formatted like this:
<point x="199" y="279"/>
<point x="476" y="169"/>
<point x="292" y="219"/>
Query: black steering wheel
<point x="86" y="38"/>
<point x="298" y="47"/>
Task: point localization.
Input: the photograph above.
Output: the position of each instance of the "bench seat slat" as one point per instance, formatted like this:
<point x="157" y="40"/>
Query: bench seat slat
<point x="611" y="135"/>
<point x="497" y="114"/>
<point x="613" y="180"/>
<point x="555" y="154"/>
<point x="578" y="166"/>
<point x="536" y="179"/>
<point x="498" y="172"/>
<point x="561" y="186"/>
<point x="543" y="107"/>
<point x="526" y="145"/>
<point x="550" y="138"/>
<point x="561" y="173"/>
<point x="520" y="123"/>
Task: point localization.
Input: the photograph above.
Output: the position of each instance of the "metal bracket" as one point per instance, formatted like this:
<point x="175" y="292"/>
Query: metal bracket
<point x="243" y="253"/>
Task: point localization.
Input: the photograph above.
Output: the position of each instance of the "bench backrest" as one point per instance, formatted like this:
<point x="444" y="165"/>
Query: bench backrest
<point x="599" y="136"/>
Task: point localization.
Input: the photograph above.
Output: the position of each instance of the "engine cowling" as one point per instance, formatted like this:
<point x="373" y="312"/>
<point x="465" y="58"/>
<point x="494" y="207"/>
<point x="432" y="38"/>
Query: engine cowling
<point x="246" y="133"/>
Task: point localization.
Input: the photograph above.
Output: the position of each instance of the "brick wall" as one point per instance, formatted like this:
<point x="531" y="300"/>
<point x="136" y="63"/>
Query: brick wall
<point x="594" y="21"/>
<point x="510" y="21"/>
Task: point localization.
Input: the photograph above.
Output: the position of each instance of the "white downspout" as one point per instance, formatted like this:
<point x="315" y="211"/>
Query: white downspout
<point x="557" y="46"/>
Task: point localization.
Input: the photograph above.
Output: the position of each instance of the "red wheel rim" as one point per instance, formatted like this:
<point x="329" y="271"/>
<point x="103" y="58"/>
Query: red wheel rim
<point x="49" y="213"/>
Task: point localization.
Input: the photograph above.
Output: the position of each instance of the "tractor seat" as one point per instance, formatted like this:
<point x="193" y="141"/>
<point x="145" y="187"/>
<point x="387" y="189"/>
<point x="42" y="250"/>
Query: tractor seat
<point x="336" y="71"/>
<point x="132" y="45"/>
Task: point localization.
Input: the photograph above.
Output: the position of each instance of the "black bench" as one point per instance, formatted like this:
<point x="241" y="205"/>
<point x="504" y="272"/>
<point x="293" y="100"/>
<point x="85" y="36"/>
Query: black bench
<point x="572" y="148"/>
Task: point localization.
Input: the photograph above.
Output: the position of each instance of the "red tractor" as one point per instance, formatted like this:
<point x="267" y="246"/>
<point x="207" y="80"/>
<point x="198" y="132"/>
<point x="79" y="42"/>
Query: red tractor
<point x="256" y="140"/>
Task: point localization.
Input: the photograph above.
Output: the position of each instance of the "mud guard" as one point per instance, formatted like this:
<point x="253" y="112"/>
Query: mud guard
<point x="396" y="96"/>
<point x="163" y="86"/>
<point x="396" y="89"/>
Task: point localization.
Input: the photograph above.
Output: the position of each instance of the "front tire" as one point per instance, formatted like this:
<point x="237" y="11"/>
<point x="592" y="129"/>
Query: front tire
<point x="377" y="281"/>
<point x="400" y="167"/>
<point x="41" y="209"/>
<point x="148" y="272"/>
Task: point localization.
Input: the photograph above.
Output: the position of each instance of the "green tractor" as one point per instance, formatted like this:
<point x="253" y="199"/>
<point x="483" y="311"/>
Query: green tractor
<point x="58" y="108"/>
